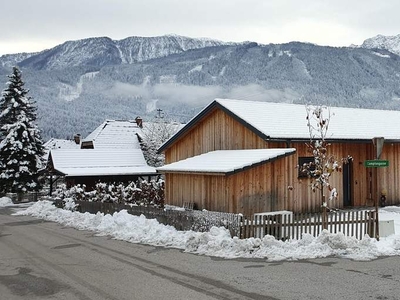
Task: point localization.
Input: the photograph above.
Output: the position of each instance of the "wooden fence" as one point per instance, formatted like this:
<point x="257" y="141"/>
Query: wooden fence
<point x="292" y="226"/>
<point x="189" y="219"/>
<point x="354" y="223"/>
<point x="24" y="197"/>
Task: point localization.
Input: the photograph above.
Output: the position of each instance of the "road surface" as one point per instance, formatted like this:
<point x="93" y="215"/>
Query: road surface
<point x="44" y="260"/>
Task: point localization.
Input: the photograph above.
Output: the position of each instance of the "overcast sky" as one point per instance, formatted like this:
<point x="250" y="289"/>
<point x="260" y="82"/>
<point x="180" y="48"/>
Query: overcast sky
<point x="34" y="25"/>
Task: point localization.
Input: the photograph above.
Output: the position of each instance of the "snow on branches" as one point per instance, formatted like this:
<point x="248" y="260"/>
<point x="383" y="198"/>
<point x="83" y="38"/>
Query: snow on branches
<point x="324" y="163"/>
<point x="141" y="192"/>
<point x="153" y="135"/>
<point x="21" y="147"/>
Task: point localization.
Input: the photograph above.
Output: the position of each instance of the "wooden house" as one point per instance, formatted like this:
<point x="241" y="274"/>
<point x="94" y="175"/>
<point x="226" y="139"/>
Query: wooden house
<point x="273" y="182"/>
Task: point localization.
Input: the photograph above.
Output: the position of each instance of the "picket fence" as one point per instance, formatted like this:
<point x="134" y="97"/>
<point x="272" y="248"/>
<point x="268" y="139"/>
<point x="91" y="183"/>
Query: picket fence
<point x="355" y="223"/>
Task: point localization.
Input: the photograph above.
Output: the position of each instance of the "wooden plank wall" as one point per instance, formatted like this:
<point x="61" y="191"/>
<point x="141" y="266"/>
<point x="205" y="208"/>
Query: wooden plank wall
<point x="389" y="178"/>
<point x="259" y="189"/>
<point x="266" y="188"/>
<point x="216" y="132"/>
<point x="367" y="183"/>
<point x="307" y="201"/>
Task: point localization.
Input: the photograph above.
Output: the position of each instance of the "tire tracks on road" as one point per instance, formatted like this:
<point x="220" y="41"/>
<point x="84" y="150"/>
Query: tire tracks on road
<point x="201" y="284"/>
<point x="86" y="290"/>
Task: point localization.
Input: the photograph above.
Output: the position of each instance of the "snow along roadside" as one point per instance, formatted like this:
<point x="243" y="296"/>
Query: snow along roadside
<point x="216" y="242"/>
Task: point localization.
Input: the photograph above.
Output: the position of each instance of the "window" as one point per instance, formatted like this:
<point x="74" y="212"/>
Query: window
<point x="305" y="161"/>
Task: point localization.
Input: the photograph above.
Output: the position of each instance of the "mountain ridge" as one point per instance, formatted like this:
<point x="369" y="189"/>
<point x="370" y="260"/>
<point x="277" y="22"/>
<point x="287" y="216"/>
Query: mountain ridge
<point x="135" y="49"/>
<point x="390" y="43"/>
<point x="102" y="51"/>
<point x="94" y="80"/>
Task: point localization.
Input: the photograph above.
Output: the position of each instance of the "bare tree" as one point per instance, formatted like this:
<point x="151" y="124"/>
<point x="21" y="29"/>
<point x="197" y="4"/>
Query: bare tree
<point x="324" y="163"/>
<point x="154" y="134"/>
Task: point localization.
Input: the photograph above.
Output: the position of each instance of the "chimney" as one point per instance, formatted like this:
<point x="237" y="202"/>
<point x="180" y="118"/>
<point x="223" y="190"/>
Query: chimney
<point x="139" y="122"/>
<point x="77" y="138"/>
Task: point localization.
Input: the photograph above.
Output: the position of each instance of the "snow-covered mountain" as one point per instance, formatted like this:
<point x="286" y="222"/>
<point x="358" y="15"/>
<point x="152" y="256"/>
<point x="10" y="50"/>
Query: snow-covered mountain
<point x="390" y="43"/>
<point x="103" y="51"/>
<point x="79" y="84"/>
<point x="138" y="49"/>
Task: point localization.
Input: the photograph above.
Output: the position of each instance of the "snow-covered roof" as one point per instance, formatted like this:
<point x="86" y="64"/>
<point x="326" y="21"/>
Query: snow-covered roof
<point x="288" y="121"/>
<point x="226" y="161"/>
<point x="282" y="120"/>
<point x="115" y="134"/>
<point x="60" y="144"/>
<point x="102" y="161"/>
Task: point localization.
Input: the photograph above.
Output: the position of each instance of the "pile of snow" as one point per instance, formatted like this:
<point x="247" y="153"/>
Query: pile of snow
<point x="217" y="242"/>
<point x="5" y="201"/>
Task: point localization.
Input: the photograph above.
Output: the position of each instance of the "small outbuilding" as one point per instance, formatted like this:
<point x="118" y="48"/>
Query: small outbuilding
<point x="216" y="179"/>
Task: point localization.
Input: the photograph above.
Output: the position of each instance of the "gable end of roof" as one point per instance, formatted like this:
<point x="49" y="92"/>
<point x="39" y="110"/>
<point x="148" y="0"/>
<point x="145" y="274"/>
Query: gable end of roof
<point x="188" y="126"/>
<point x="213" y="105"/>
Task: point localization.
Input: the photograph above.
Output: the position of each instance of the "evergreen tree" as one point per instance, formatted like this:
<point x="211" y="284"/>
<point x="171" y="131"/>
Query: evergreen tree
<point x="21" y="147"/>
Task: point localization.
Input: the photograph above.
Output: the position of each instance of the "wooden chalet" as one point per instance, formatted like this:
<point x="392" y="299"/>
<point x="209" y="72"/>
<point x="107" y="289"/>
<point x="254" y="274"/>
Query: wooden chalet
<point x="272" y="182"/>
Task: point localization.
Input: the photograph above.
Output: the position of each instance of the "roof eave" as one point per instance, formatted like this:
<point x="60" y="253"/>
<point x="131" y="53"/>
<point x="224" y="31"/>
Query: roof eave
<point x="193" y="172"/>
<point x="330" y="140"/>
<point x="228" y="173"/>
<point x="116" y="174"/>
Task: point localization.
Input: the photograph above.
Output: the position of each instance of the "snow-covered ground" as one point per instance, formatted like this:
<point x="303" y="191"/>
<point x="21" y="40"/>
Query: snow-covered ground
<point x="5" y="201"/>
<point x="217" y="242"/>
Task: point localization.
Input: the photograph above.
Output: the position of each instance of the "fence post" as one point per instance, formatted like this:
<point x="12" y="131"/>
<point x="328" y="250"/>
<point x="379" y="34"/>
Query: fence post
<point x="241" y="226"/>
<point x="371" y="223"/>
<point x="324" y="215"/>
<point x="376" y="220"/>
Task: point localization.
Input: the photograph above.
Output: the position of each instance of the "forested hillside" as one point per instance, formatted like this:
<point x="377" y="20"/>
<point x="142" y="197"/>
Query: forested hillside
<point x="78" y="98"/>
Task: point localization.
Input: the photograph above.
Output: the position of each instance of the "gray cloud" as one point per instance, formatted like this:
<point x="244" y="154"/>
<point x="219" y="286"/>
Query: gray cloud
<point x="199" y="96"/>
<point x="196" y="96"/>
<point x="256" y="92"/>
<point x="129" y="90"/>
<point x="43" y="22"/>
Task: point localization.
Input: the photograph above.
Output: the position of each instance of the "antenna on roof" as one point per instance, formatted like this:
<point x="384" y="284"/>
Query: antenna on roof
<point x="160" y="113"/>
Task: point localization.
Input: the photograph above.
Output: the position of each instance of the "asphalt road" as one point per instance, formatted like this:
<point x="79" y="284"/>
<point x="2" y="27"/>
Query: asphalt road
<point x="43" y="260"/>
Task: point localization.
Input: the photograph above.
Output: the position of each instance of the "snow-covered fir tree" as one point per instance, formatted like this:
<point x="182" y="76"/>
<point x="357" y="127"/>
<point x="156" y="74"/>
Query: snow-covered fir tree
<point x="21" y="146"/>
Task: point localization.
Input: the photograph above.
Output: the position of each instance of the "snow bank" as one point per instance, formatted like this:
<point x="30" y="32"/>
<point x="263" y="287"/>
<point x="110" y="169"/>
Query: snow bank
<point x="5" y="201"/>
<point x="217" y="242"/>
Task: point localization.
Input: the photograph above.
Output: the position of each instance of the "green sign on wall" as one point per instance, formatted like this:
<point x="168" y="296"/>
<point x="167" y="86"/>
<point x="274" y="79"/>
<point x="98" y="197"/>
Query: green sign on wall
<point x="376" y="163"/>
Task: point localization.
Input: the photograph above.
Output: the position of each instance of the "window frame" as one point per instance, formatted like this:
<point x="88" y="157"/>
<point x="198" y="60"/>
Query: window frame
<point x="301" y="161"/>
